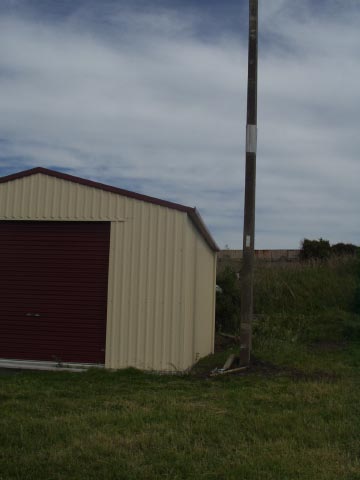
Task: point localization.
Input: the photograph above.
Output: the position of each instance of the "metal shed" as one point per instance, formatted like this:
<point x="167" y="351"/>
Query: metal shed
<point x="93" y="274"/>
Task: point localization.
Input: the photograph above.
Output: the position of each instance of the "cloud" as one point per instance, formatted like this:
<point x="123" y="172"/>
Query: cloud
<point x="140" y="98"/>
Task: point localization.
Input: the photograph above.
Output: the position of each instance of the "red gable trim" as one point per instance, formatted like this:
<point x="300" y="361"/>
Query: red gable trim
<point x="192" y="212"/>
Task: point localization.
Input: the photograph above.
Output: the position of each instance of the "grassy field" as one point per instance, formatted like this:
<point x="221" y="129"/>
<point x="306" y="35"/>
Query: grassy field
<point x="294" y="415"/>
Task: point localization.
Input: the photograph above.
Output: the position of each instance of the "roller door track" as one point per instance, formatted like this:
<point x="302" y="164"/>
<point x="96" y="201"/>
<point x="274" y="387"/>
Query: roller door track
<point x="53" y="290"/>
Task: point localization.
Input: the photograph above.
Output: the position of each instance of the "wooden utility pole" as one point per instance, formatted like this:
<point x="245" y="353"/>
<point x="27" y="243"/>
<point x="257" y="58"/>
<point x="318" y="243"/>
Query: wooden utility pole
<point x="247" y="275"/>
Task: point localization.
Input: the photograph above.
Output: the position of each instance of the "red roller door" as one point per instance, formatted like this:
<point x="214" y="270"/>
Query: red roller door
<point x="53" y="290"/>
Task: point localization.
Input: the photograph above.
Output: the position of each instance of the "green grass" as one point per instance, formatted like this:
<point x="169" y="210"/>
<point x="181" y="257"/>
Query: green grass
<point x="294" y="415"/>
<point x="307" y="288"/>
<point x="307" y="302"/>
<point x="300" y="422"/>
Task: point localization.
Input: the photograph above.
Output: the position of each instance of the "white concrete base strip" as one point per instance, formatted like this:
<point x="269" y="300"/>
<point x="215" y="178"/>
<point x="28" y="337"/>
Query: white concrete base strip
<point x="49" y="366"/>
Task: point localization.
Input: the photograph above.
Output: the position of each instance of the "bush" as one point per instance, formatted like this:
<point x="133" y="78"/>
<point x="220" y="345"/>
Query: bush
<point x="340" y="249"/>
<point x="321" y="249"/>
<point x="315" y="249"/>
<point x="228" y="302"/>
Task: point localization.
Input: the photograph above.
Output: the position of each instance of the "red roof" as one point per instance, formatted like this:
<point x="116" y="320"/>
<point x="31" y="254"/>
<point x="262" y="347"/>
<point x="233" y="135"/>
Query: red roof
<point x="192" y="212"/>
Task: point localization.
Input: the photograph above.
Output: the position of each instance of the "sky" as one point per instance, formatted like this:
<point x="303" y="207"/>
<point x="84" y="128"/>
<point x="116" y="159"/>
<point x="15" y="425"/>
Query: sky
<point x="150" y="96"/>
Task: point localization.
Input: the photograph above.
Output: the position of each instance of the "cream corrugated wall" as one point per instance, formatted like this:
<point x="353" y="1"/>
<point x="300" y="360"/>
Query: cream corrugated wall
<point x="146" y="289"/>
<point x="41" y="197"/>
<point x="200" y="299"/>
<point x="161" y="290"/>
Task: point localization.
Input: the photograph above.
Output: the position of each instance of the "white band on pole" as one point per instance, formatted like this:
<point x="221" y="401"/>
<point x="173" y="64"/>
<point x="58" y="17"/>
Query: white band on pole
<point x="251" y="138"/>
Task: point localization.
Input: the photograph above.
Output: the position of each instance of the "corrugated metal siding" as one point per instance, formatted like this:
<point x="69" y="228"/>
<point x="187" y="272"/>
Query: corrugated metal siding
<point x="204" y="322"/>
<point x="53" y="290"/>
<point x="201" y="294"/>
<point x="157" y="259"/>
<point x="147" y="283"/>
<point x="41" y="197"/>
